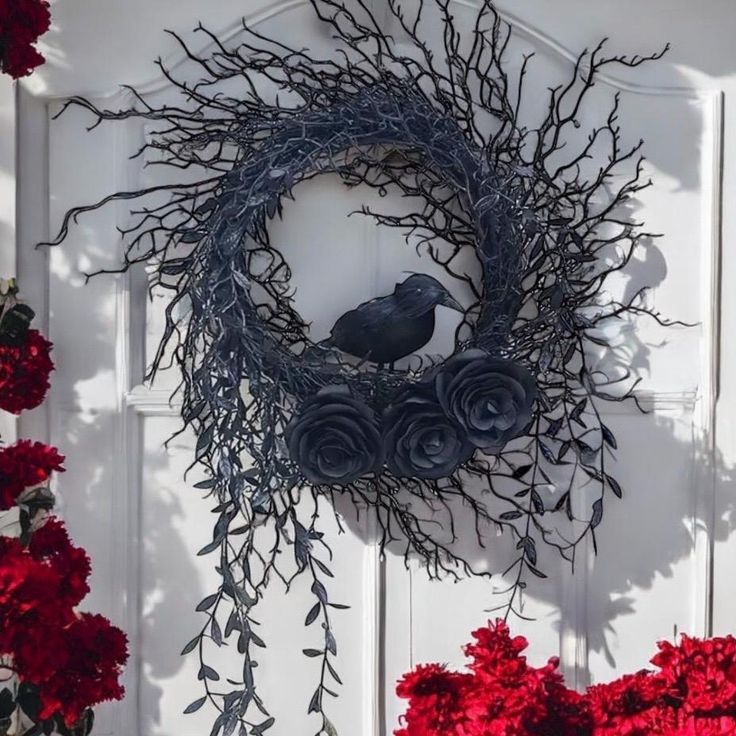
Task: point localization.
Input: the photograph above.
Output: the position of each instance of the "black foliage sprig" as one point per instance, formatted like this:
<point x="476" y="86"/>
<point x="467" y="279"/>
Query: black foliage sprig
<point x="444" y="128"/>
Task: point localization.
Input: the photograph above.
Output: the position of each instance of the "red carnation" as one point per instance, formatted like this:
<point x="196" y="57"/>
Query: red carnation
<point x="631" y="705"/>
<point x="74" y="659"/>
<point x="700" y="673"/>
<point x="24" y="372"/>
<point x="21" y="23"/>
<point x="24" y="465"/>
<point x="694" y="692"/>
<point x="30" y="602"/>
<point x="20" y="60"/>
<point x="51" y="544"/>
<point x="503" y="696"/>
<point x="28" y="587"/>
<point x="435" y="700"/>
<point x="89" y="655"/>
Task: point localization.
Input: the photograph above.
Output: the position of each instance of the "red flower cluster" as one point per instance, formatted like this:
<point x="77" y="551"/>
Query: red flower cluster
<point x="51" y="546"/>
<point x="502" y="696"/>
<point x="74" y="659"/>
<point x="21" y="23"/>
<point x="24" y="369"/>
<point x="24" y="465"/>
<point x="77" y="667"/>
<point x="69" y="661"/>
<point x="692" y="694"/>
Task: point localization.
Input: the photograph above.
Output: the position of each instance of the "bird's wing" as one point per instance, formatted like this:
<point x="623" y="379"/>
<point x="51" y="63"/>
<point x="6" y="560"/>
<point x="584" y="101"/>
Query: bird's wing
<point x="358" y="330"/>
<point x="378" y="312"/>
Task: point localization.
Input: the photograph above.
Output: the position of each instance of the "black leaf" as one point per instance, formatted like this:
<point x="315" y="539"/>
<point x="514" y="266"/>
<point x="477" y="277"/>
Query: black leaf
<point x="332" y="671"/>
<point x="330" y="642"/>
<point x="537" y="502"/>
<point x="193" y="236"/>
<point x="261" y="727"/>
<point x="530" y="549"/>
<point x="548" y="454"/>
<point x="196" y="705"/>
<point x="231" y="721"/>
<point x="207" y="602"/>
<point x="313" y="613"/>
<point x="257" y="640"/>
<point x="319" y="590"/>
<point x="510" y="515"/>
<point x="615" y="487"/>
<point x="204" y="441"/>
<point x="211" y="547"/>
<point x="608" y="437"/>
<point x="578" y="410"/>
<point x="216" y="632"/>
<point x="173" y="268"/>
<point x="206" y="206"/>
<point x="190" y="647"/>
<point x="315" y="704"/>
<point x="7" y="703"/>
<point x="323" y="567"/>
<point x="597" y="515"/>
<point x="217" y="725"/>
<point x="233" y="623"/>
<point x="29" y="700"/>
<point x="561" y="501"/>
<point x="205" y="671"/>
<point x="521" y="471"/>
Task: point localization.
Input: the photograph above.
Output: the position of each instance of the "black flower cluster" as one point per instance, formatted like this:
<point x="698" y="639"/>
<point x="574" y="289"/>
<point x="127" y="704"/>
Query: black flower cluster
<point x="472" y="401"/>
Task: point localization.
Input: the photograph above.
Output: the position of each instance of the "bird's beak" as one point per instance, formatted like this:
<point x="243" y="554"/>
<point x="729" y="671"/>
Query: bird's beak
<point x="448" y="301"/>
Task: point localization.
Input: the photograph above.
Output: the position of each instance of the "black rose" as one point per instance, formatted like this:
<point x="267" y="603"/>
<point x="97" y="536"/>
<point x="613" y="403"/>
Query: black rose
<point x="491" y="398"/>
<point x="335" y="437"/>
<point x="419" y="440"/>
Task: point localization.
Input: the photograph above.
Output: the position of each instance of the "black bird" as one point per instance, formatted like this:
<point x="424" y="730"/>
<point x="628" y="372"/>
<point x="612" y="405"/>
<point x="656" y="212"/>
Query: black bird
<point x="388" y="328"/>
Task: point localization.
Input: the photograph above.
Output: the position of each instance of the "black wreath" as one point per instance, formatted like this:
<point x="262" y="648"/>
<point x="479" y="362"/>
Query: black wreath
<point x="514" y="407"/>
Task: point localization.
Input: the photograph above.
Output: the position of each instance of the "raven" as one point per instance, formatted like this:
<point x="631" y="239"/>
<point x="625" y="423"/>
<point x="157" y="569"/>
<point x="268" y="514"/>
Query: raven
<point x="388" y="328"/>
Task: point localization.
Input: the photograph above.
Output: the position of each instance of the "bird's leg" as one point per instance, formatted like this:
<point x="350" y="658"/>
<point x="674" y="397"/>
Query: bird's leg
<point x="391" y="366"/>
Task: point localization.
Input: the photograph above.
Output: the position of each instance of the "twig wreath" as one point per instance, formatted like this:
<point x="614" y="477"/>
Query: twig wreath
<point x="281" y="419"/>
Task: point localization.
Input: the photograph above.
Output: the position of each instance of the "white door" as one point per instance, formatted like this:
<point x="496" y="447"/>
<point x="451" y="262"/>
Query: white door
<point x="665" y="550"/>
